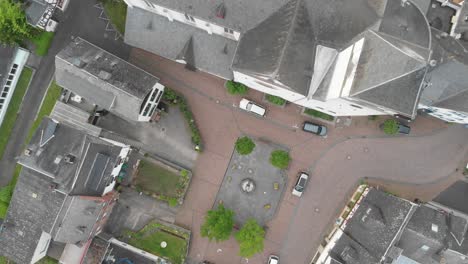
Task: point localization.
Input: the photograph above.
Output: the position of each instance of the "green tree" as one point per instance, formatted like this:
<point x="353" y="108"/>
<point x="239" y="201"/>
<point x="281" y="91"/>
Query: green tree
<point x="218" y="224"/>
<point x="244" y="145"/>
<point x="280" y="159"/>
<point x="390" y="126"/>
<point x="13" y="25"/>
<point x="250" y="238"/>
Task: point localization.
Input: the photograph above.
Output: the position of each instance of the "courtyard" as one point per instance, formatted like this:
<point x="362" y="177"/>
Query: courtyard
<point x="252" y="187"/>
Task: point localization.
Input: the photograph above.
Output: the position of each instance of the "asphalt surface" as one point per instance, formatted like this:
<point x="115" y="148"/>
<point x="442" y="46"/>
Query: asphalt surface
<point x="81" y="19"/>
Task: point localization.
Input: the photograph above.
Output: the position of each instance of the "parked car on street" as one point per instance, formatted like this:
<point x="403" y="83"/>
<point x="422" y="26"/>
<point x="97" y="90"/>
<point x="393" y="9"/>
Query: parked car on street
<point x="252" y="107"/>
<point x="272" y="259"/>
<point x="403" y="129"/>
<point x="300" y="184"/>
<point x="313" y="128"/>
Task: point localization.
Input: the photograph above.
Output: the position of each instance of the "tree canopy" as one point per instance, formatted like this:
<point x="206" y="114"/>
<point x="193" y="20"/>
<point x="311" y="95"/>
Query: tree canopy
<point x="244" y="145"/>
<point x="250" y="238"/>
<point x="218" y="224"/>
<point x="13" y="25"/>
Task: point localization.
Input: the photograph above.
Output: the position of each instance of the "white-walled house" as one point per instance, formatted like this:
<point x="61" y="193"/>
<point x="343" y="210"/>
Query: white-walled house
<point x="356" y="58"/>
<point x="107" y="81"/>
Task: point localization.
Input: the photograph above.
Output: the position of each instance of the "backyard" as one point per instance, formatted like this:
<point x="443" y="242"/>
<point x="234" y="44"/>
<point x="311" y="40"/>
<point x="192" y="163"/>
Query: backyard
<point x="162" y="181"/>
<point x="13" y="108"/>
<point x="150" y="237"/>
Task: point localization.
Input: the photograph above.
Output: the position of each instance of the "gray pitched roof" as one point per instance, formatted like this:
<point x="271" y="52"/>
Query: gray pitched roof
<point x="369" y="234"/>
<point x="455" y="197"/>
<point x="447" y="80"/>
<point x="155" y="33"/>
<point x="79" y="176"/>
<point x="240" y="15"/>
<point x="430" y="232"/>
<point x="283" y="41"/>
<point x="33" y="209"/>
<point x="103" y="78"/>
<point x="283" y="49"/>
<point x="35" y="9"/>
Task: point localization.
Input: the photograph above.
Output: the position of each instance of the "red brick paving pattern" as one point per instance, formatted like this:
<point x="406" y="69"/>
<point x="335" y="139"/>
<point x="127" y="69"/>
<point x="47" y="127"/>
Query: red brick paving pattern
<point x="300" y="224"/>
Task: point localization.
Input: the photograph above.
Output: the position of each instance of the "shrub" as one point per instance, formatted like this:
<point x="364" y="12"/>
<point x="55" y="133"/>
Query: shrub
<point x="173" y="202"/>
<point x="218" y="224"/>
<point x="184" y="173"/>
<point x="280" y="159"/>
<point x="250" y="238"/>
<point x="236" y="88"/>
<point x="390" y="127"/>
<point x="319" y="114"/>
<point x="373" y="117"/>
<point x="173" y="97"/>
<point x="275" y="99"/>
<point x="244" y="145"/>
<point x="169" y="95"/>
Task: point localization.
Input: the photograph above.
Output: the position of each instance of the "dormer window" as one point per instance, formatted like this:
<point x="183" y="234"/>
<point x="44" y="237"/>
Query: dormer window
<point x="228" y="31"/>
<point x="189" y="18"/>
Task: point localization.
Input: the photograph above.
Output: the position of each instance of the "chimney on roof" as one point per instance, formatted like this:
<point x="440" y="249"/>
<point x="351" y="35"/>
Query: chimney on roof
<point x="104" y="75"/>
<point x="70" y="159"/>
<point x="221" y="11"/>
<point x="27" y="152"/>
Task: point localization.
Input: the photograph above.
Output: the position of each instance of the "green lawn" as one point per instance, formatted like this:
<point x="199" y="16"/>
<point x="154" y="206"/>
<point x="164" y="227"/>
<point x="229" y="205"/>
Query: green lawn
<point x="7" y="191"/>
<point x="318" y="114"/>
<point x="157" y="179"/>
<point x="13" y="108"/>
<point x="42" y="42"/>
<point x="53" y="93"/>
<point x="116" y="10"/>
<point x="150" y="237"/>
<point x="47" y="260"/>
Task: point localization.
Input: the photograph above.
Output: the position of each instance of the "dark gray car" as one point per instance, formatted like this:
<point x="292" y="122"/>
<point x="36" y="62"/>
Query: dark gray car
<point x="314" y="128"/>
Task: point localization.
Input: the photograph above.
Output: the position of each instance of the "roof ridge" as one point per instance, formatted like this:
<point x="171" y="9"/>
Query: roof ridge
<point x="397" y="48"/>
<point x="288" y="38"/>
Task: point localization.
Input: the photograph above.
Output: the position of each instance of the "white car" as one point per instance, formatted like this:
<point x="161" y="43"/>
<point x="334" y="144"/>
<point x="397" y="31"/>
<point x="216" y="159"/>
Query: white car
<point x="272" y="259"/>
<point x="300" y="184"/>
<point x="252" y="107"/>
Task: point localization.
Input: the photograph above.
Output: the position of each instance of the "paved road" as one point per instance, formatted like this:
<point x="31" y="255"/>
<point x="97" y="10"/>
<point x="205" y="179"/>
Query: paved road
<point x="428" y="156"/>
<point x="80" y="19"/>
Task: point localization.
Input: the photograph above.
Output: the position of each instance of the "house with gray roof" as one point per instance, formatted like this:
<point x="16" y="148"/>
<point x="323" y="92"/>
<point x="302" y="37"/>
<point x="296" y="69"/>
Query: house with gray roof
<point x="64" y="193"/>
<point x="107" y="81"/>
<point x="382" y="228"/>
<point x="40" y="13"/>
<point x="361" y="57"/>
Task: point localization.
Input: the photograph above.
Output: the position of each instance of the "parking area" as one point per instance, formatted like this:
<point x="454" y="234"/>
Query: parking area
<point x="169" y="138"/>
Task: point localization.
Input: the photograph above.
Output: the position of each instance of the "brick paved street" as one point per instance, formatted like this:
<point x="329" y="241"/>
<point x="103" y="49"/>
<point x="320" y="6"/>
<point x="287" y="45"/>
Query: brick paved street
<point x="427" y="159"/>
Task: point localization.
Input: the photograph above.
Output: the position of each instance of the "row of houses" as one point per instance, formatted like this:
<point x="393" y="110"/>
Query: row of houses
<point x="66" y="189"/>
<point x="353" y="58"/>
<point x="383" y="228"/>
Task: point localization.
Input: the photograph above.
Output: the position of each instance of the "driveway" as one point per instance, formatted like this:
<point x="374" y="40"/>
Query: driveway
<point x="81" y="19"/>
<point x="336" y="163"/>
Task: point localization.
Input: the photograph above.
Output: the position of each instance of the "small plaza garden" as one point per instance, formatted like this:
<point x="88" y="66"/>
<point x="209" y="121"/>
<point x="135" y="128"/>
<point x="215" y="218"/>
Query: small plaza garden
<point x="151" y="238"/>
<point x="162" y="181"/>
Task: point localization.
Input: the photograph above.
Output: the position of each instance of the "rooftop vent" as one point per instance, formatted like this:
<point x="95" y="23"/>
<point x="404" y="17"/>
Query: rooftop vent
<point x="53" y="186"/>
<point x="98" y="56"/>
<point x="104" y="75"/>
<point x="78" y="63"/>
<point x="27" y="152"/>
<point x="221" y="10"/>
<point x="70" y="159"/>
<point x="114" y="63"/>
